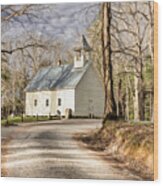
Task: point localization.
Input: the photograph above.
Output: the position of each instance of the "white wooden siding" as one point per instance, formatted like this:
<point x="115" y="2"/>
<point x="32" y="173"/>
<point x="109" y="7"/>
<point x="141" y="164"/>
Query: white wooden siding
<point x="89" y="95"/>
<point x="41" y="108"/>
<point x="67" y="101"/>
<point x="67" y="97"/>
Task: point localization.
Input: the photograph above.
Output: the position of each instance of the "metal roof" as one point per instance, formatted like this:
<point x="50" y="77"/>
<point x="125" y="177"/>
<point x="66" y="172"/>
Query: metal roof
<point x="60" y="77"/>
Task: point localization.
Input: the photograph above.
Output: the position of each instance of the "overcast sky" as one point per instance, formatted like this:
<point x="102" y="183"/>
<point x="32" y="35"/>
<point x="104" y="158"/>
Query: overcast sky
<point x="63" y="21"/>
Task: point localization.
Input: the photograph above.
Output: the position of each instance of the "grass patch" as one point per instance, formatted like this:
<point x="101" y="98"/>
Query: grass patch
<point x="18" y="119"/>
<point x="132" y="142"/>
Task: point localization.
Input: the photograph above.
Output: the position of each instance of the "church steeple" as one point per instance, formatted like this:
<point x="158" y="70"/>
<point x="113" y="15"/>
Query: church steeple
<point x="82" y="53"/>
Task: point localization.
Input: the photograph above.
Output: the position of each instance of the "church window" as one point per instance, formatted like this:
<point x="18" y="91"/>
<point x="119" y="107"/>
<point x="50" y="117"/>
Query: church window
<point x="47" y="102"/>
<point x="59" y="101"/>
<point x="35" y="102"/>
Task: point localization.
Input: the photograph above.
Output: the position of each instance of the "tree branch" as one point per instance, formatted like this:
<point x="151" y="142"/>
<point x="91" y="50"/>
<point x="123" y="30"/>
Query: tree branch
<point x="6" y="51"/>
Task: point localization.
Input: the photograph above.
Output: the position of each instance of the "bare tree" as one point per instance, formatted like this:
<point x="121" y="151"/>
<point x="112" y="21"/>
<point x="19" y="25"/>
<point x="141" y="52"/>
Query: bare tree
<point x="110" y="105"/>
<point x="131" y="25"/>
<point x="10" y="12"/>
<point x="130" y="53"/>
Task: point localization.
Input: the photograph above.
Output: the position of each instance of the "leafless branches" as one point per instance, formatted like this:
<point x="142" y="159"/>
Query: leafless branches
<point x="10" y="51"/>
<point x="131" y="31"/>
<point x="11" y="11"/>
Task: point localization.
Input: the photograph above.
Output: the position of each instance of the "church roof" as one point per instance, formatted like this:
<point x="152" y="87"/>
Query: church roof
<point x="60" y="77"/>
<point x="83" y="45"/>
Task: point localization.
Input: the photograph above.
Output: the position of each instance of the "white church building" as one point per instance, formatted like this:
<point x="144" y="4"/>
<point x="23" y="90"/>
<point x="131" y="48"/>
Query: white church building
<point x="74" y="86"/>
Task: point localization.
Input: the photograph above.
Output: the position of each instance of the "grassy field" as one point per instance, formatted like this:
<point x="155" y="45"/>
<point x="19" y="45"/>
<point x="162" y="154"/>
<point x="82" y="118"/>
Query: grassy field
<point x="128" y="142"/>
<point x="18" y="119"/>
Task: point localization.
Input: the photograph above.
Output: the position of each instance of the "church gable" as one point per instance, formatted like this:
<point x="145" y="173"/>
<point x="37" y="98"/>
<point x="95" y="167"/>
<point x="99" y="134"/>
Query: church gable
<point x="89" y="96"/>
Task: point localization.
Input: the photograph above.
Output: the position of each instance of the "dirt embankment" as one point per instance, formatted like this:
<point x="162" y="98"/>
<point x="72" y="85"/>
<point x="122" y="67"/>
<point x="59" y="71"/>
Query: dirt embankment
<point x="132" y="144"/>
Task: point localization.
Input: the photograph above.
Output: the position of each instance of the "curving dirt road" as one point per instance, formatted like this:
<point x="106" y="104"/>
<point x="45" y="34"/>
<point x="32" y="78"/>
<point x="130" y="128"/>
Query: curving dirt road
<point x="48" y="149"/>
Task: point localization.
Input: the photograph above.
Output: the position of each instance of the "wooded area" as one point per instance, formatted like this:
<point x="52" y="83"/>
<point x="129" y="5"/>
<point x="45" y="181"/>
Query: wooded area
<point x="123" y="50"/>
<point x="126" y="33"/>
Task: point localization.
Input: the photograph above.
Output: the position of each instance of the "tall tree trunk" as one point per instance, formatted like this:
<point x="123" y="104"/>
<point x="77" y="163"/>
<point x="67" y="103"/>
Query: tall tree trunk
<point x="141" y="93"/>
<point x="119" y="99"/>
<point x="139" y="81"/>
<point x="141" y="101"/>
<point x="136" y="98"/>
<point x="127" y="117"/>
<point x="110" y="105"/>
<point x="151" y="47"/>
<point x="151" y="107"/>
<point x="13" y="97"/>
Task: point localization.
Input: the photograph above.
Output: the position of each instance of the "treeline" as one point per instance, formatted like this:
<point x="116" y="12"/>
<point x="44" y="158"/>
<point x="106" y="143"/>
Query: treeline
<point x="20" y="63"/>
<point x="23" y="55"/>
<point x="123" y="44"/>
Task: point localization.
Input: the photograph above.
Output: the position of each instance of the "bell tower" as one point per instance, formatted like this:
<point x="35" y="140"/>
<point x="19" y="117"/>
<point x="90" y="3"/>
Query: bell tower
<point x="82" y="53"/>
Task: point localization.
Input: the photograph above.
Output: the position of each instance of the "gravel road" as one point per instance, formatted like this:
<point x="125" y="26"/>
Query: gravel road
<point x="48" y="150"/>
